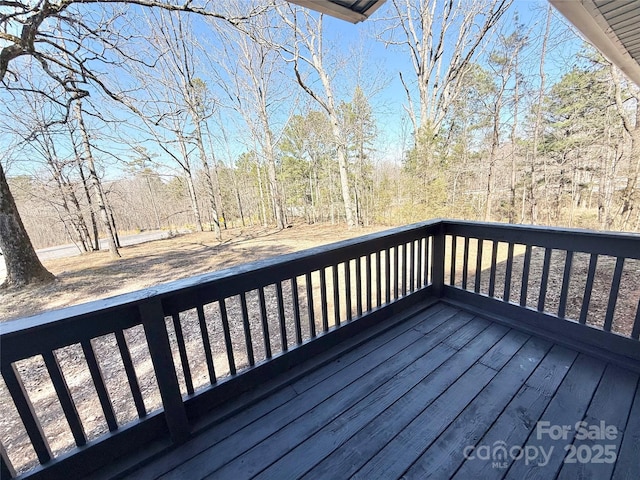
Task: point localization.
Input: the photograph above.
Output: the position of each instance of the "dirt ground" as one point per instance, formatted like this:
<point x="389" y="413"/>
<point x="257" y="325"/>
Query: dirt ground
<point x="94" y="276"/>
<point x="97" y="275"/>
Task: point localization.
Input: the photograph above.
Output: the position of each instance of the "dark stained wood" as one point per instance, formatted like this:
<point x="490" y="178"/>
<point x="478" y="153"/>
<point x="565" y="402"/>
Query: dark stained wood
<point x="452" y="273"/>
<point x="613" y="294"/>
<point x="64" y="397"/>
<point x="492" y="271"/>
<point x="387" y="275"/>
<point x="347" y="287"/>
<point x="396" y="271"/>
<point x="98" y="382"/>
<point x="567" y="407"/>
<point x="336" y="296"/>
<point x="359" y="286"/>
<point x="588" y="288"/>
<point x="465" y="263"/>
<point x="246" y="327"/>
<point x="160" y="350"/>
<point x="227" y="336"/>
<point x="206" y="343"/>
<point x="611" y="404"/>
<point x="506" y="296"/>
<point x="182" y="350"/>
<point x="130" y="371"/>
<point x="412" y="266"/>
<point x="476" y="287"/>
<point x="518" y="419"/>
<point x="265" y="320"/>
<point x="627" y="462"/>
<point x="566" y="278"/>
<point x="6" y="468"/>
<point x="281" y="318"/>
<point x="310" y="311"/>
<point x="447" y="452"/>
<point x="296" y="311"/>
<point x="26" y="411"/>
<point x="323" y="300"/>
<point x="544" y="281"/>
<point x="368" y="286"/>
<point x="635" y="333"/>
<point x="428" y="263"/>
<point x="526" y="266"/>
<point x="403" y="269"/>
<point x="378" y="280"/>
<point x="419" y="266"/>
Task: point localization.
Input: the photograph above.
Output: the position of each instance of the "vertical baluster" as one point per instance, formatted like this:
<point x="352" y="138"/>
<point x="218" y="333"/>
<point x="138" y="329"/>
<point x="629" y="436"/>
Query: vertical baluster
<point x="566" y="278"/>
<point x="428" y="262"/>
<point x="525" y="276"/>
<point x="310" y="312"/>
<point x="465" y="263"/>
<point x="387" y="275"/>
<point x="588" y="288"/>
<point x="412" y="267"/>
<point x="265" y="323"/>
<point x="336" y="295"/>
<point x="545" y="279"/>
<point x="98" y="383"/>
<point x="404" y="269"/>
<point x="359" y="285"/>
<point x="452" y="273"/>
<point x="26" y="411"/>
<point x="635" y="333"/>
<point x="478" y="265"/>
<point x="613" y="294"/>
<point x="507" y="274"/>
<point x="492" y="274"/>
<point x="227" y="336"/>
<point x="368" y="281"/>
<point x="206" y="343"/>
<point x="6" y="468"/>
<point x="347" y="284"/>
<point x="152" y="316"/>
<point x="378" y="280"/>
<point x="419" y="282"/>
<point x="396" y="273"/>
<point x="64" y="396"/>
<point x="182" y="350"/>
<point x="246" y="326"/>
<point x="281" y="320"/>
<point x="323" y="299"/>
<point x="296" y="309"/>
<point x="130" y="371"/>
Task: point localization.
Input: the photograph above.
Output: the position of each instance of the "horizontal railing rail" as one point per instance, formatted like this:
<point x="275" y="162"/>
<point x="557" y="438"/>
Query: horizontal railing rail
<point x="179" y="342"/>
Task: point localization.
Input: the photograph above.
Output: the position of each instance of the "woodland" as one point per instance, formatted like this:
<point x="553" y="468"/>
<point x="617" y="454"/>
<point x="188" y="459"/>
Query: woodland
<point x="120" y="117"/>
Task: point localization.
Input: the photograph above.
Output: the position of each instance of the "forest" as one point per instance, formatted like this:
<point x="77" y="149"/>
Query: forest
<point x="130" y="116"/>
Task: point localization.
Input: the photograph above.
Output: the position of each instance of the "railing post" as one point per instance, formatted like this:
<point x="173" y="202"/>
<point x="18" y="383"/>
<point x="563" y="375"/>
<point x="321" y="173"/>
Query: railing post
<point x="437" y="272"/>
<point x="152" y="316"/>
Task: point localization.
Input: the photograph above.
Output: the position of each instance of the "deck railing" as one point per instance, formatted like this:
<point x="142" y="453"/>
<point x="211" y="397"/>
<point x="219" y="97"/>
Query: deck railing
<point x="541" y="275"/>
<point x="188" y="346"/>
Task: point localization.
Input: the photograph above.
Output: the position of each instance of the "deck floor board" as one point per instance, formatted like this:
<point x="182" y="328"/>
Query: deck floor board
<point x="409" y="401"/>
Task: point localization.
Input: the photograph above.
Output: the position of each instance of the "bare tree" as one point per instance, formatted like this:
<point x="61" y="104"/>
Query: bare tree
<point x="56" y="39"/>
<point x="442" y="37"/>
<point x="308" y="50"/>
<point x="256" y="88"/>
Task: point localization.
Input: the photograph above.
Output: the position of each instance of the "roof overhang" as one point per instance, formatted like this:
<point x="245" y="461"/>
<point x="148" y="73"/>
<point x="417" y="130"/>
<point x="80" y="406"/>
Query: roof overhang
<point x="612" y="26"/>
<point x="353" y="11"/>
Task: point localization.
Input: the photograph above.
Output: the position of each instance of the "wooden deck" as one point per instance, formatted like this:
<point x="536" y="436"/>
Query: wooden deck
<point x="412" y="400"/>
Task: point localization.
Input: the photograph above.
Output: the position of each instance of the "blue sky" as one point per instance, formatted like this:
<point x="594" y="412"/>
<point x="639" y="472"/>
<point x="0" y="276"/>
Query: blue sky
<point x="380" y="66"/>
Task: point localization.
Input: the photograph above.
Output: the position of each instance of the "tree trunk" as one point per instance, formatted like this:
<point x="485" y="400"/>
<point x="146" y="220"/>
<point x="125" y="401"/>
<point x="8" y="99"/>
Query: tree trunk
<point x="23" y="265"/>
<point x="95" y="182"/>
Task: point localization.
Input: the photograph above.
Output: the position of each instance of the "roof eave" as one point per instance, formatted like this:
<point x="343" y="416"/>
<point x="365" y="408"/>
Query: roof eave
<point x="586" y="17"/>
